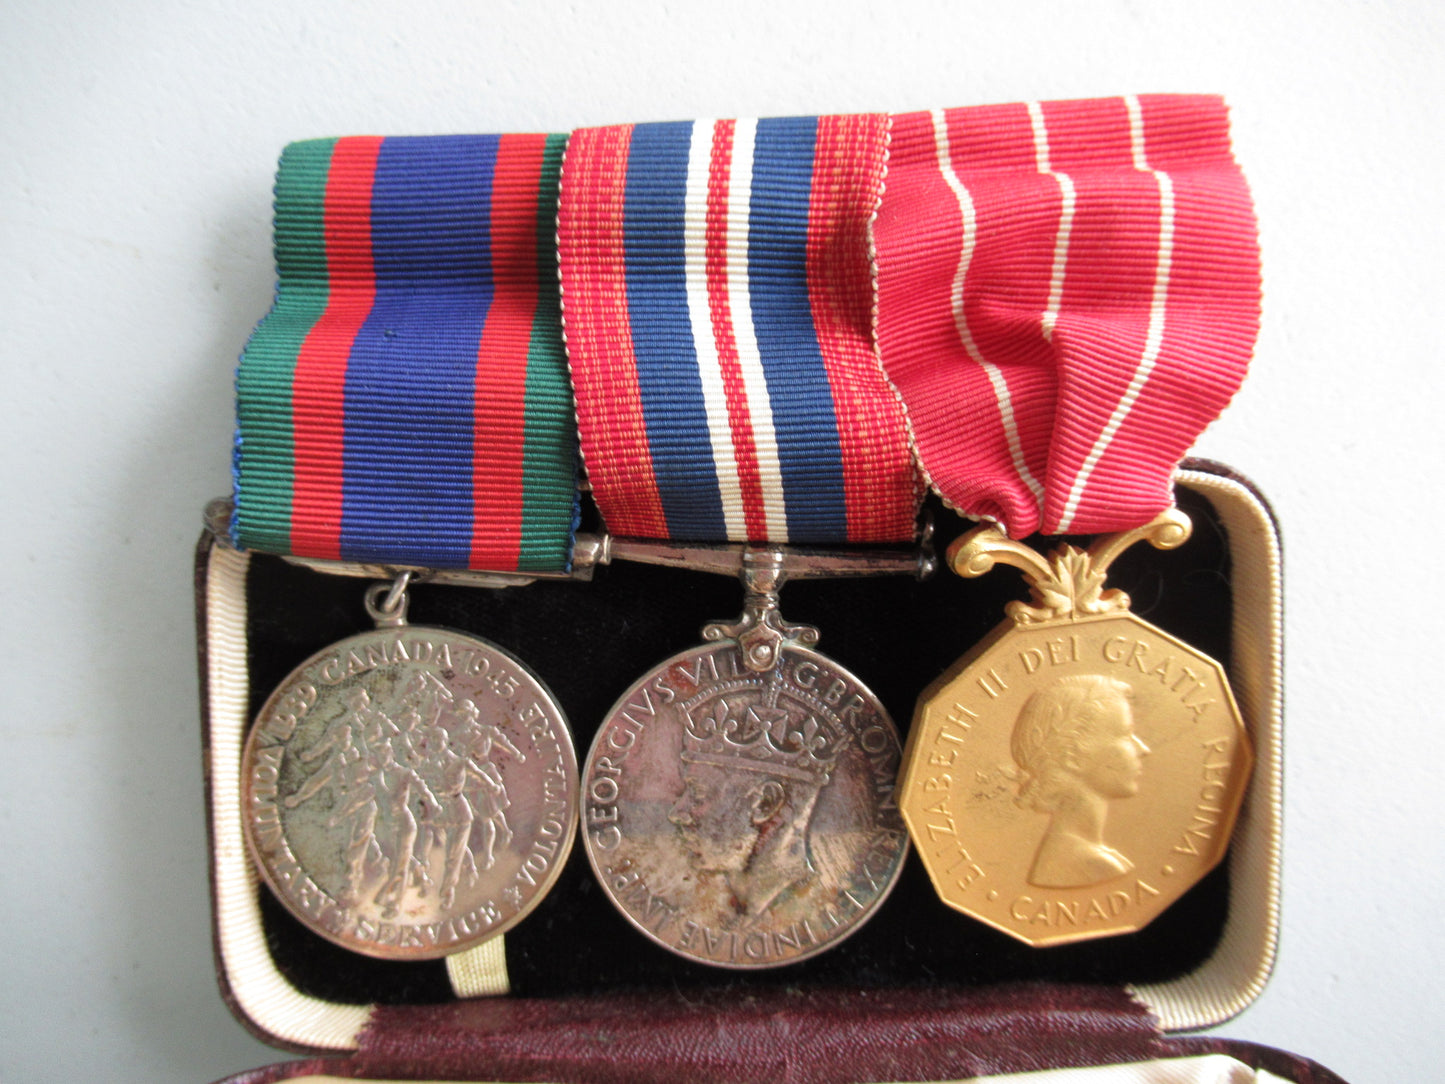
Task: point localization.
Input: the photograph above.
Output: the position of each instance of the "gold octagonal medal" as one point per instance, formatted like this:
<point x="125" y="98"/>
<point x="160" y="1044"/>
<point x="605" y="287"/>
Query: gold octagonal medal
<point x="1079" y="770"/>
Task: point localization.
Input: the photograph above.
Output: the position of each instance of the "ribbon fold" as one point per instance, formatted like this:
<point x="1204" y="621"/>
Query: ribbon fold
<point x="1068" y="293"/>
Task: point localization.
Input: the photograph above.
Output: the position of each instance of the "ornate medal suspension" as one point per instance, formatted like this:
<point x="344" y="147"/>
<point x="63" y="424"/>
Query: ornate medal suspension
<point x="1068" y="294"/>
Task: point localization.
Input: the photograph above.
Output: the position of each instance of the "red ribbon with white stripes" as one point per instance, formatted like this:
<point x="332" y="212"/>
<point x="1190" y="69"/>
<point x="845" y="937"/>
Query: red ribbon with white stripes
<point x="1068" y="293"/>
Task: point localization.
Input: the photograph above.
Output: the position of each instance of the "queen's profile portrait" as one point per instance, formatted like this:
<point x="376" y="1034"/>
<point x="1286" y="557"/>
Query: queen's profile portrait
<point x="1077" y="752"/>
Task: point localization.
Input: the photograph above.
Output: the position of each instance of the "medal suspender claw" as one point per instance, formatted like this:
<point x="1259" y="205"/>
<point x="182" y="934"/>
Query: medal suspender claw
<point x="1079" y="770"/>
<point x="410" y="792"/>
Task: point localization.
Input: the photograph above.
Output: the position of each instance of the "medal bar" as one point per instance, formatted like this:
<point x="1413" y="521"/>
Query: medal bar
<point x="591" y="551"/>
<point x="749" y="315"/>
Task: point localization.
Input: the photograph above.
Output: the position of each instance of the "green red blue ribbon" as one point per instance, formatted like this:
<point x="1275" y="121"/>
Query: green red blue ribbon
<point x="406" y="400"/>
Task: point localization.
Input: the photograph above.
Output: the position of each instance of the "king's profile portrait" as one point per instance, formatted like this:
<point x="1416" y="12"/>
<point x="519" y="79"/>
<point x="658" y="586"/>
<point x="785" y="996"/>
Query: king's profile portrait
<point x="753" y="767"/>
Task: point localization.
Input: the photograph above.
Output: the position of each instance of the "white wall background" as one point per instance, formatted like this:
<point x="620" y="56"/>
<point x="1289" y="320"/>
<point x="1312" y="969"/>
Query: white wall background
<point x="138" y="148"/>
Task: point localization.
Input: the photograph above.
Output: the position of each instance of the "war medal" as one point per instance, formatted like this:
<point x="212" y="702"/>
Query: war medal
<point x="409" y="792"/>
<point x="716" y="277"/>
<point x="1079" y="770"/>
<point x="739" y="805"/>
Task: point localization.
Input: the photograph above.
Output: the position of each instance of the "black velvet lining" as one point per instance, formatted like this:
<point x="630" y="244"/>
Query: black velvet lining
<point x="589" y="641"/>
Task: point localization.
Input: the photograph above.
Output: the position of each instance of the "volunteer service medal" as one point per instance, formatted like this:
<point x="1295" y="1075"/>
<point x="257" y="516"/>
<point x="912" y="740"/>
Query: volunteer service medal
<point x="404" y="413"/>
<point x="1068" y="294"/>
<point x="409" y="791"/>
<point x="716" y="282"/>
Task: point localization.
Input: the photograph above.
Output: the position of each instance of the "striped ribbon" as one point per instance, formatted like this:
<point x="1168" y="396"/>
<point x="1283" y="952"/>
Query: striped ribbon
<point x="406" y="399"/>
<point x="1062" y="294"/>
<point x="718" y="300"/>
<point x="1068" y="293"/>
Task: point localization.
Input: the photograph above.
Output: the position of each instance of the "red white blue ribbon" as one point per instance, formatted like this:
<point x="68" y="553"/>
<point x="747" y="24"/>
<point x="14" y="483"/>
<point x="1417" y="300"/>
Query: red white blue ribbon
<point x="718" y="306"/>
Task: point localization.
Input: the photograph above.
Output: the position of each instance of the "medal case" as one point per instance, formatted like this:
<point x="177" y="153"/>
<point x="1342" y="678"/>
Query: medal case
<point x="919" y="993"/>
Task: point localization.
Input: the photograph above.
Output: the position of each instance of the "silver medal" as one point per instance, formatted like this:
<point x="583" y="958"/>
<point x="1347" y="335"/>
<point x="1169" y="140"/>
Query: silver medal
<point x="739" y="798"/>
<point x="409" y="792"/>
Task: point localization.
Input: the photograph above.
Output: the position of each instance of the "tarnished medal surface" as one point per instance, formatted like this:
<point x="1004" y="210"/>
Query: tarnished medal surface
<point x="1079" y="770"/>
<point x="745" y="817"/>
<point x="410" y="792"/>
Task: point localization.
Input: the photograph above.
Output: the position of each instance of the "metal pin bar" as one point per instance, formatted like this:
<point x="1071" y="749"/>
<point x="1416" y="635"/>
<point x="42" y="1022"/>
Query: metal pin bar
<point x="793" y="562"/>
<point x="591" y="550"/>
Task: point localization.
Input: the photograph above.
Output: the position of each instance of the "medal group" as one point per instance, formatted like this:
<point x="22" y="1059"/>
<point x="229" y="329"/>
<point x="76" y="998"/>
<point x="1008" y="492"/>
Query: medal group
<point x="748" y="348"/>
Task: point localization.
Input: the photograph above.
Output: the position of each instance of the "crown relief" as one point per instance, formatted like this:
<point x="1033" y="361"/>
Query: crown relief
<point x="730" y="728"/>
